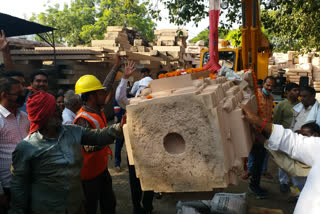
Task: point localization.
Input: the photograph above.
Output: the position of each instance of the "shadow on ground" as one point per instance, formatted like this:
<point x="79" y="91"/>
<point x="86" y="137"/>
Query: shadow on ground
<point x="167" y="205"/>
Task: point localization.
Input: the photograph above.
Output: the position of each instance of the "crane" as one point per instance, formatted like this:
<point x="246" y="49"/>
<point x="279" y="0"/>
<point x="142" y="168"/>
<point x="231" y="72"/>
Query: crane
<point x="255" y="48"/>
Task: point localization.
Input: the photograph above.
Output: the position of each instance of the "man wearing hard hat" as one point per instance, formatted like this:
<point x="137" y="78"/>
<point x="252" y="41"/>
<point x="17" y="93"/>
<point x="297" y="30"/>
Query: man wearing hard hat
<point x="96" y="179"/>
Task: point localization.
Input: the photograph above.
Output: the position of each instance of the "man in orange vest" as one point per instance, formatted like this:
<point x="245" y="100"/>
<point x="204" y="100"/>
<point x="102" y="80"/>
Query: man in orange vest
<point x="96" y="179"/>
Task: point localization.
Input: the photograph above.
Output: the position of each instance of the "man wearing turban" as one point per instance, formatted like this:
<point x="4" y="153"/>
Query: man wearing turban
<point x="47" y="163"/>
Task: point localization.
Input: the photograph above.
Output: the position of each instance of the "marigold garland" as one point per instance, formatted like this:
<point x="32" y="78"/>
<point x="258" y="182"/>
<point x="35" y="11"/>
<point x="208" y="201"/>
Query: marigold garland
<point x="212" y="76"/>
<point x="149" y="97"/>
<point x="186" y="71"/>
<point x="255" y="83"/>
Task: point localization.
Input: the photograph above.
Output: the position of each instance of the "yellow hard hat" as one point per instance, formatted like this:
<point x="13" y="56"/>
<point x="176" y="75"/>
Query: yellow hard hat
<point x="88" y="83"/>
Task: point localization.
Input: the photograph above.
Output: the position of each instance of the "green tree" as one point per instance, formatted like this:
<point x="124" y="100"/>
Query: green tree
<point x="204" y="35"/>
<point x="235" y="37"/>
<point x="85" y="20"/>
<point x="292" y="24"/>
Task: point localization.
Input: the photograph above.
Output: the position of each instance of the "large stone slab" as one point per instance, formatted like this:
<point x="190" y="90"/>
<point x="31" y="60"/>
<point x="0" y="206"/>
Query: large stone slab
<point x="189" y="137"/>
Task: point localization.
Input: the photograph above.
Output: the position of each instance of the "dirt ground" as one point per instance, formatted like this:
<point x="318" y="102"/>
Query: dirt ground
<point x="167" y="205"/>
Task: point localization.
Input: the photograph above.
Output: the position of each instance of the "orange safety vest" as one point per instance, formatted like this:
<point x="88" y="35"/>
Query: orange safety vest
<point x="94" y="163"/>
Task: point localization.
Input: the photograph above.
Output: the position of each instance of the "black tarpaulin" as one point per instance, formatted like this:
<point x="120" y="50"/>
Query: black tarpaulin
<point x="14" y="26"/>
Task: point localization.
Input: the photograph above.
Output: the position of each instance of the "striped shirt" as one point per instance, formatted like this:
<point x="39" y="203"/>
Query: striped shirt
<point x="13" y="129"/>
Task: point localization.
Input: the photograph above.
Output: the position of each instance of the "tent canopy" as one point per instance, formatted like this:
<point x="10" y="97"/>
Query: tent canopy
<point x="14" y="26"/>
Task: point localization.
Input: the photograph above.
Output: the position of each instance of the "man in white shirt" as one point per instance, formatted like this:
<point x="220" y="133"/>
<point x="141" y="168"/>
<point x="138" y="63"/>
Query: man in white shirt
<point x="14" y="127"/>
<point x="72" y="104"/>
<point x="136" y="193"/>
<point x="142" y="83"/>
<point x="298" y="147"/>
<point x="307" y="111"/>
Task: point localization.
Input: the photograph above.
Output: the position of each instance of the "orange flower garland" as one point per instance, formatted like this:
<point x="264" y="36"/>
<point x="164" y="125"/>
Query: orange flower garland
<point x="149" y="97"/>
<point x="255" y="83"/>
<point x="178" y="73"/>
<point x="161" y="76"/>
<point x="212" y="76"/>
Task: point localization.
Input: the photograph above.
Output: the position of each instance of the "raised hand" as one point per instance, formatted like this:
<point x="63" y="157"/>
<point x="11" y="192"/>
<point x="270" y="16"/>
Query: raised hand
<point x="123" y="120"/>
<point x="3" y="41"/>
<point x="251" y="117"/>
<point x="129" y="69"/>
<point x="260" y="124"/>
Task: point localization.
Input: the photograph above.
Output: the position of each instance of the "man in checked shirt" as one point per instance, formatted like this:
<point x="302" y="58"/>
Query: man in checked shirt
<point x="258" y="158"/>
<point x="14" y="127"/>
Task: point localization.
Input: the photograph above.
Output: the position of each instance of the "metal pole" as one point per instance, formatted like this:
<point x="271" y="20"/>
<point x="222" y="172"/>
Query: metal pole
<point x="254" y="13"/>
<point x="244" y="20"/>
<point x="54" y="49"/>
<point x="254" y="48"/>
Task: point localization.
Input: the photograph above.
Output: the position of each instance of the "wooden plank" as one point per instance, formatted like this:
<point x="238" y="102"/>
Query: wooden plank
<point x="125" y="46"/>
<point x="164" y="56"/>
<point x="137" y="42"/>
<point x="304" y="74"/>
<point x="171" y="32"/>
<point x="167" y="43"/>
<point x="117" y="38"/>
<point x="99" y="49"/>
<point x="149" y="62"/>
<point x="294" y="77"/>
<point x="115" y="28"/>
<point x="141" y="48"/>
<point x="104" y="43"/>
<point x="114" y="49"/>
<point x="115" y="34"/>
<point x="297" y="70"/>
<point x="110" y="44"/>
<point x="151" y="53"/>
<point x="134" y="49"/>
<point x="59" y="51"/>
<point x="149" y="49"/>
<point x="138" y="56"/>
<point x="195" y="50"/>
<point x="26" y="43"/>
<point x="161" y="38"/>
<point x="168" y="48"/>
<point x="175" y="55"/>
<point x="107" y="60"/>
<point x="145" y="62"/>
<point x="123" y="40"/>
<point x="50" y="57"/>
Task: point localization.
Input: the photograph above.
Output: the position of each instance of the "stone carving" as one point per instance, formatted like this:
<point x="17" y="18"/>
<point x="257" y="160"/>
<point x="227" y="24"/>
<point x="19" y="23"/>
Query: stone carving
<point x="189" y="137"/>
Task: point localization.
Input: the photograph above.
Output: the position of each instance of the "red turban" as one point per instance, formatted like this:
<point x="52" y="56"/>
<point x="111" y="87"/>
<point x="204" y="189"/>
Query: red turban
<point x="40" y="108"/>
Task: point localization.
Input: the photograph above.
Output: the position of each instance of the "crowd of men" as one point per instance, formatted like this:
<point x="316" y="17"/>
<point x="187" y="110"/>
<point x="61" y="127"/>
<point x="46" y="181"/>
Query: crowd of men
<point x="54" y="149"/>
<point x="48" y="166"/>
<point x="302" y="116"/>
